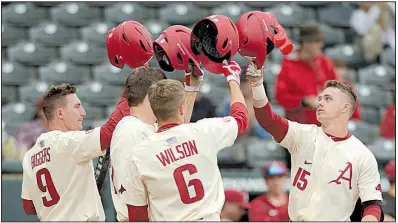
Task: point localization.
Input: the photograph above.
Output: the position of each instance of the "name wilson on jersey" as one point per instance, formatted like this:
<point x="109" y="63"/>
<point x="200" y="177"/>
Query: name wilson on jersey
<point x="180" y="151"/>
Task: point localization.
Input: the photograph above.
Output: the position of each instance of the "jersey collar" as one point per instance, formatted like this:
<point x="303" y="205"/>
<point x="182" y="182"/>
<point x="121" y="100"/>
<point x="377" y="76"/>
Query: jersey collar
<point x="338" y="139"/>
<point x="166" y="127"/>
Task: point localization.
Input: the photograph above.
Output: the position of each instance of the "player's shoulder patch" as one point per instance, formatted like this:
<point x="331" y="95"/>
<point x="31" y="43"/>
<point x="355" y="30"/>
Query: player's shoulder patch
<point x="226" y="119"/>
<point x="89" y="131"/>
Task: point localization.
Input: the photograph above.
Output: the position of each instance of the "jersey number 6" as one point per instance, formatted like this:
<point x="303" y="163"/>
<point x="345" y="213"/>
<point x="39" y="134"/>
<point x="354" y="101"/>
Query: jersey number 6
<point x="183" y="187"/>
<point x="300" y="180"/>
<point x="47" y="185"/>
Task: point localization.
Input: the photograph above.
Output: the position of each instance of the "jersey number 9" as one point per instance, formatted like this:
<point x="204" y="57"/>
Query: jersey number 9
<point x="183" y="187"/>
<point x="47" y="185"/>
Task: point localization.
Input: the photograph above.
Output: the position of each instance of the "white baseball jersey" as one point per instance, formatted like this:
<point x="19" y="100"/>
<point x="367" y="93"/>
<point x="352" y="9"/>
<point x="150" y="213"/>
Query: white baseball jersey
<point x="328" y="176"/>
<point x="58" y="176"/>
<point x="175" y="171"/>
<point x="128" y="133"/>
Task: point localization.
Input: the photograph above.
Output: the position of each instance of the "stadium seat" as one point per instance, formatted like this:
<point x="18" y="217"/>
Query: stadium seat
<point x="336" y="14"/>
<point x="156" y="27"/>
<point x="124" y="11"/>
<point x="13" y="73"/>
<point x="11" y="34"/>
<point x="75" y="14"/>
<point x="215" y="93"/>
<point x="232" y="10"/>
<point x="109" y="110"/>
<point x="82" y="53"/>
<point x="388" y="57"/>
<point x="276" y="56"/>
<point x="207" y="4"/>
<point x="182" y="13"/>
<point x="260" y="152"/>
<point x="351" y="75"/>
<point x="92" y="112"/>
<point x="383" y="150"/>
<point x="96" y="33"/>
<point x="100" y="3"/>
<point x="371" y="96"/>
<point x="99" y="94"/>
<point x="232" y="155"/>
<point x="376" y="74"/>
<point x="312" y="4"/>
<point x="154" y="4"/>
<point x="30" y="93"/>
<point x="365" y="132"/>
<point x="106" y="73"/>
<point x="30" y="53"/>
<point x="215" y="79"/>
<point x="332" y="35"/>
<point x="350" y="53"/>
<point x="292" y="15"/>
<point x="51" y="35"/>
<point x="47" y="4"/>
<point x="58" y="72"/>
<point x="271" y="72"/>
<point x="18" y="112"/>
<point x="23" y="14"/>
<point x="8" y="94"/>
<point x="260" y="4"/>
<point x="370" y="115"/>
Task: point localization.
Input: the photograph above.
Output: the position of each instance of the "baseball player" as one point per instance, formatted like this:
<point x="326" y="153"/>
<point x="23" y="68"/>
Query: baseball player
<point x="140" y="124"/>
<point x="331" y="168"/>
<point x="58" y="175"/>
<point x="174" y="172"/>
<point x="235" y="205"/>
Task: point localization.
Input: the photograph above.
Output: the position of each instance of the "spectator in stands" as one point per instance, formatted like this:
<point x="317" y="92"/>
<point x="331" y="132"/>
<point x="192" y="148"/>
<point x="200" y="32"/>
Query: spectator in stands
<point x="272" y="206"/>
<point x="235" y="206"/>
<point x="389" y="197"/>
<point x="387" y="124"/>
<point x="371" y="23"/>
<point x="303" y="74"/>
<point x="28" y="132"/>
<point x="203" y="108"/>
<point x="254" y="129"/>
<point x="341" y="71"/>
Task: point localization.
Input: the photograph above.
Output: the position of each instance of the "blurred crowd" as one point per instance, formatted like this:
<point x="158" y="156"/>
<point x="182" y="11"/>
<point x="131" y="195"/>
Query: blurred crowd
<point x="301" y="77"/>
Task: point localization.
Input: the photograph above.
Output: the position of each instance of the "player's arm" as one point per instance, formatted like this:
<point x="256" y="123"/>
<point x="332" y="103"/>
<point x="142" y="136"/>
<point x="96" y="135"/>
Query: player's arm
<point x="133" y="193"/>
<point x="193" y="80"/>
<point x="27" y="202"/>
<point x="370" y="189"/>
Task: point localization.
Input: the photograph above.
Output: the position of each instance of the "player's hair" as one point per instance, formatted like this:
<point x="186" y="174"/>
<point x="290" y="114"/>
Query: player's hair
<point x="165" y="97"/>
<point x="55" y="97"/>
<point x="347" y="90"/>
<point x="138" y="82"/>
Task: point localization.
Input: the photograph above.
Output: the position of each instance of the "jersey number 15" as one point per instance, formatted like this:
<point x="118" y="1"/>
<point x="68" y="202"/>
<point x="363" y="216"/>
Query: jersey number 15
<point x="183" y="187"/>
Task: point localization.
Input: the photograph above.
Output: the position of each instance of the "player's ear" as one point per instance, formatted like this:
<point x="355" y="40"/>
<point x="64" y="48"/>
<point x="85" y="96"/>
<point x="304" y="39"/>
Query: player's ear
<point x="181" y="109"/>
<point x="345" y="108"/>
<point x="59" y="113"/>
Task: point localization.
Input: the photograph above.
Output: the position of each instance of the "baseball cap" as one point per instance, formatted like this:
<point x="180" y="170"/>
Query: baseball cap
<point x="275" y="168"/>
<point x="237" y="196"/>
<point x="390" y="170"/>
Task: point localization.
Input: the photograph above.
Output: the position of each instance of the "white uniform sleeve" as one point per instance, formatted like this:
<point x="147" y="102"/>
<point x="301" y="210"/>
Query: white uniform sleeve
<point x="296" y="136"/>
<point x="219" y="132"/>
<point x="369" y="179"/>
<point x="85" y="145"/>
<point x="132" y="191"/>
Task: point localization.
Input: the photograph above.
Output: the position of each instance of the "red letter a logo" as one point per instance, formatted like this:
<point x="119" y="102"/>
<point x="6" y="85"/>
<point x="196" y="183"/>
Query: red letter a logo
<point x="348" y="168"/>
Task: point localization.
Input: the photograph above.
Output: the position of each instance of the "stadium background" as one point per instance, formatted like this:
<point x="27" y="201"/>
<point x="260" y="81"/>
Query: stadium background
<point x="45" y="43"/>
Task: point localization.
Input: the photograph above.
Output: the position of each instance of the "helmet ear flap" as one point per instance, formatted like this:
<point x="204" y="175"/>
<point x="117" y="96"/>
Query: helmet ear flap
<point x="162" y="58"/>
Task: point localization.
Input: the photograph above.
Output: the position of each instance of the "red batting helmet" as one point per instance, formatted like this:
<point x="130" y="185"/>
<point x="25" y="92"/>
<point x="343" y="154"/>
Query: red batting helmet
<point x="259" y="31"/>
<point x="129" y="43"/>
<point x="215" y="39"/>
<point x="173" y="50"/>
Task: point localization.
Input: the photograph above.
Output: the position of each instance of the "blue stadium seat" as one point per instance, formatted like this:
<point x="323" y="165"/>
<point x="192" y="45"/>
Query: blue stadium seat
<point x="370" y="115"/>
<point x="383" y="149"/>
<point x="182" y="13"/>
<point x="8" y="94"/>
<point x="58" y="72"/>
<point x="14" y="73"/>
<point x="377" y="74"/>
<point x="371" y="96"/>
<point x="365" y="132"/>
<point x="32" y="54"/>
<point x="18" y="112"/>
<point x="23" y="14"/>
<point x="232" y="10"/>
<point x="92" y="112"/>
<point x="155" y="27"/>
<point x="336" y="14"/>
<point x="260" y="152"/>
<point x="30" y="93"/>
<point x="99" y="94"/>
<point x="106" y="73"/>
<point x="350" y="53"/>
<point x="292" y="15"/>
<point x="124" y="11"/>
<point x="47" y="4"/>
<point x="96" y="33"/>
<point x="75" y="14"/>
<point x="11" y="35"/>
<point x="82" y="53"/>
<point x="52" y="35"/>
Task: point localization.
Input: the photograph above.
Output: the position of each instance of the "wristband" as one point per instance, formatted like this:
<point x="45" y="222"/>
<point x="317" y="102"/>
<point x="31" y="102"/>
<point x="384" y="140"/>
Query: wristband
<point x="258" y="92"/>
